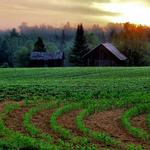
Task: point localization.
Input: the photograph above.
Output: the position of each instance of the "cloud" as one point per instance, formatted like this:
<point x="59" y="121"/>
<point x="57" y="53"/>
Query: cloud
<point x="54" y="11"/>
<point x="67" y="6"/>
<point x="42" y="11"/>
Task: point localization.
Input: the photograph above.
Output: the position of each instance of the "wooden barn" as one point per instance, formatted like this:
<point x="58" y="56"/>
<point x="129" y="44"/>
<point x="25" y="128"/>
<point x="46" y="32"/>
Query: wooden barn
<point x="105" y="54"/>
<point x="47" y="59"/>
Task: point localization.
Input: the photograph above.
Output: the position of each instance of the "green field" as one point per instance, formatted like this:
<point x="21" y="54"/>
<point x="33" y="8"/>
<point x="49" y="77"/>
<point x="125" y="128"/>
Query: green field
<point x="79" y="108"/>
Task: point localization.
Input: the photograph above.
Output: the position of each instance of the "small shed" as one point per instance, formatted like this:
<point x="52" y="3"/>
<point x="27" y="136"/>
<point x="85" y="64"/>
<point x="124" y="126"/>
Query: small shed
<point x="47" y="59"/>
<point x="105" y="54"/>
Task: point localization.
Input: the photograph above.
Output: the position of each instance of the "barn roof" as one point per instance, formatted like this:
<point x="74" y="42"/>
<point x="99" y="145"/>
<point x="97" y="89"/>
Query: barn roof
<point x="47" y="55"/>
<point x="110" y="48"/>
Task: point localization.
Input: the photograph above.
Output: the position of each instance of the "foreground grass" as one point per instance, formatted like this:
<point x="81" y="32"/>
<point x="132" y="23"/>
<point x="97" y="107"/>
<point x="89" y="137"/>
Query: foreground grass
<point x="74" y="83"/>
<point x="88" y="89"/>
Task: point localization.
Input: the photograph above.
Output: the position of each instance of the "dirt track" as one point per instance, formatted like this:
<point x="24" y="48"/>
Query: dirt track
<point x="109" y="122"/>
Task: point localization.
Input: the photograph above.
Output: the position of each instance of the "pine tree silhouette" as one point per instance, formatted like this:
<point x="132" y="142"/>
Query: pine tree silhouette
<point x="39" y="45"/>
<point x="80" y="47"/>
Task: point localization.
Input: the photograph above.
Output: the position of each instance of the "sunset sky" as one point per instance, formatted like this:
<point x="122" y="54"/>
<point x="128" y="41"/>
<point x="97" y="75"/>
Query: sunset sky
<point x="58" y="12"/>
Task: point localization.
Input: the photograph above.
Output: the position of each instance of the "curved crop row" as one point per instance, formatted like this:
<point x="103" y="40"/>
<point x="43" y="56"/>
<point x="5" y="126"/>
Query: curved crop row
<point x="148" y="120"/>
<point x="43" y="141"/>
<point x="30" y="127"/>
<point x="135" y="111"/>
<point x="17" y="140"/>
<point x="102" y="136"/>
<point x="65" y="133"/>
<point x="37" y="132"/>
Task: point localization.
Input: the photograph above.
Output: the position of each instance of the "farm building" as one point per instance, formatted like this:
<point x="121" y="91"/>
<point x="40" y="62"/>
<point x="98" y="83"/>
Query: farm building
<point x="105" y="54"/>
<point x="47" y="59"/>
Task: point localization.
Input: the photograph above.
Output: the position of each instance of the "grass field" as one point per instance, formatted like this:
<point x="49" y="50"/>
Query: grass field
<point x="75" y="108"/>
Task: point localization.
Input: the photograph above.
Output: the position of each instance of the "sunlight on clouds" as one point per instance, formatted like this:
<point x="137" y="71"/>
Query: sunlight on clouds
<point x="129" y="12"/>
<point x="75" y="11"/>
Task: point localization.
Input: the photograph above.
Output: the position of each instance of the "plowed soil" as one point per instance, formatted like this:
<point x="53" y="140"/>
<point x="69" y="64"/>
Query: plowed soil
<point x="42" y="121"/>
<point x="14" y="120"/>
<point x="67" y="121"/>
<point x="140" y="122"/>
<point x="109" y="122"/>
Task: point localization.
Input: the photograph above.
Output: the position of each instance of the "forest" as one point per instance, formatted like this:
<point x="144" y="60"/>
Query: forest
<point x="16" y="44"/>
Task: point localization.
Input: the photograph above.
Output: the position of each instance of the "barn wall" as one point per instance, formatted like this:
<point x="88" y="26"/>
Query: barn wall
<point x="55" y="63"/>
<point x="102" y="57"/>
<point x="50" y="63"/>
<point x="37" y="63"/>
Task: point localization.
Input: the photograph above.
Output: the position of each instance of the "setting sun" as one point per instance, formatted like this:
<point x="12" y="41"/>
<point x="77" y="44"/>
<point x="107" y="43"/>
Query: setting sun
<point x="127" y="12"/>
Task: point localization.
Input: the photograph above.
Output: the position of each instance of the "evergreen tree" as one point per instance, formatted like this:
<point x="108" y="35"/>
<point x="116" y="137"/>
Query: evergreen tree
<point x="4" y="54"/>
<point x="39" y="45"/>
<point x="80" y="48"/>
<point x="14" y="33"/>
<point x="62" y="41"/>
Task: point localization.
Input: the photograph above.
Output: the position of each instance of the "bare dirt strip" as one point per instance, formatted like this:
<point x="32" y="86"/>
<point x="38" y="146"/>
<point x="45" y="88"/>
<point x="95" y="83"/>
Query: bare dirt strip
<point x="14" y="120"/>
<point x="67" y="121"/>
<point x="110" y="122"/>
<point x="140" y="122"/>
<point x="2" y="104"/>
<point x="42" y="121"/>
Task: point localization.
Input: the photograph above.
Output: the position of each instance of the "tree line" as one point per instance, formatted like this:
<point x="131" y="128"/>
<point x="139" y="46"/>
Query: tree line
<point x="17" y="44"/>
